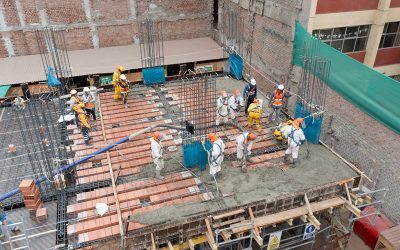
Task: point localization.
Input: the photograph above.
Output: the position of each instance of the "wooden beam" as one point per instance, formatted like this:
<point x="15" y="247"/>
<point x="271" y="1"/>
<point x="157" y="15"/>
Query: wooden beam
<point x="355" y="210"/>
<point x="257" y="236"/>
<point x="210" y="236"/>
<point x="314" y="221"/>
<point x="153" y="243"/>
<point x="225" y="235"/>
<point x="170" y="247"/>
<point x="310" y="212"/>
<point x="231" y="213"/>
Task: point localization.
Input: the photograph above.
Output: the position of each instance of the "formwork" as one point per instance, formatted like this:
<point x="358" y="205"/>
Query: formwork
<point x="186" y="208"/>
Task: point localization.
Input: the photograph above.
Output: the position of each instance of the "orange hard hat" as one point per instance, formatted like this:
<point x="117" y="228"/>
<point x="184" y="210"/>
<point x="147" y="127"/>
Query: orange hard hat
<point x="156" y="135"/>
<point x="251" y="137"/>
<point x="236" y="92"/>
<point x="212" y="137"/>
<point x="297" y="122"/>
<point x="256" y="101"/>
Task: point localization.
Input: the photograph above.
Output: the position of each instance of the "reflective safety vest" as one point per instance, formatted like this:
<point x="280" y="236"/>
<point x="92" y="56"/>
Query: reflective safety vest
<point x="278" y="97"/>
<point x="124" y="86"/>
<point x="90" y="103"/>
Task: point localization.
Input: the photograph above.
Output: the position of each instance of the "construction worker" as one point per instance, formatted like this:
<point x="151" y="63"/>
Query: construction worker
<point x="244" y="143"/>
<point x="74" y="100"/>
<point x="276" y="102"/>
<point x="115" y="82"/>
<point x="83" y="121"/>
<point x="124" y="88"/>
<point x="235" y="102"/>
<point x="255" y="112"/>
<point x="250" y="93"/>
<point x="157" y="153"/>
<point x="222" y="108"/>
<point x="5" y="221"/>
<point x="89" y="100"/>
<point x="216" y="156"/>
<point x="295" y="137"/>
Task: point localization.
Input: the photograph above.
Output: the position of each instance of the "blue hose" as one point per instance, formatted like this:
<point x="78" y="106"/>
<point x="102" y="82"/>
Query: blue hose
<point x="67" y="167"/>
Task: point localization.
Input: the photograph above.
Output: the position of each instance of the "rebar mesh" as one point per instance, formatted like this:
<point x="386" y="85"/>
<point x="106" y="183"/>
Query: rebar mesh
<point x="232" y="28"/>
<point x="197" y="104"/>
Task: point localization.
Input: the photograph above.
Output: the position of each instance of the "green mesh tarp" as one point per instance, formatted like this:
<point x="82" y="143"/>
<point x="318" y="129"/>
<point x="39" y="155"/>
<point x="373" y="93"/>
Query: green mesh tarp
<point x="3" y="90"/>
<point x="369" y="90"/>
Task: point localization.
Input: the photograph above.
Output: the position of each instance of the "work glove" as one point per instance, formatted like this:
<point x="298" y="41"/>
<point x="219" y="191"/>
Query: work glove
<point x="248" y="153"/>
<point x="302" y="141"/>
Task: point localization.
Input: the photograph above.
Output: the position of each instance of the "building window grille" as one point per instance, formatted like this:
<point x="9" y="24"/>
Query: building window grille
<point x="345" y="39"/>
<point x="391" y="35"/>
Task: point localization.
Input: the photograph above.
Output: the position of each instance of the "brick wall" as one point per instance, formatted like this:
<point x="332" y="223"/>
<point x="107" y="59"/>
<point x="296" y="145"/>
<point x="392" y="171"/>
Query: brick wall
<point x="98" y="23"/>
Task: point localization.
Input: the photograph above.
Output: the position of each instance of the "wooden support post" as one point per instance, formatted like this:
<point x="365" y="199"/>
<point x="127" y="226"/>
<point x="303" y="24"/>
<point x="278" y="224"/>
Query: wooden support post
<point x="153" y="243"/>
<point x="349" y="205"/>
<point x="311" y="216"/>
<point x="257" y="236"/>
<point x="290" y="222"/>
<point x="347" y="191"/>
<point x="330" y="210"/>
<point x="303" y="218"/>
<point x="210" y="236"/>
<point x="191" y="244"/>
<point x="170" y="247"/>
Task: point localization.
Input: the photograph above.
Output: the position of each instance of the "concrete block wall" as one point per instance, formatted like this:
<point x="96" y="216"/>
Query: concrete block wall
<point x="97" y="23"/>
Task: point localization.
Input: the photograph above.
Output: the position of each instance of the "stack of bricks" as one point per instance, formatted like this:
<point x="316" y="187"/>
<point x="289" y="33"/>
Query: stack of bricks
<point x="32" y="201"/>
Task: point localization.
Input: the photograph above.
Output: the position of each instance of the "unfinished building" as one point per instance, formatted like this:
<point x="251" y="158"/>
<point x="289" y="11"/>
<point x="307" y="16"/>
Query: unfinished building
<point x="63" y="194"/>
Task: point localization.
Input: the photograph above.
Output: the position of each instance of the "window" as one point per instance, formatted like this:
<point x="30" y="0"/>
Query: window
<point x="345" y="39"/>
<point x="391" y="35"/>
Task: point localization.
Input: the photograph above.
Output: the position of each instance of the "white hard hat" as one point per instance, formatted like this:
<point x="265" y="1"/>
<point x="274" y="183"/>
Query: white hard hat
<point x="86" y="89"/>
<point x="281" y="87"/>
<point x="123" y="77"/>
<point x="253" y="81"/>
<point x="73" y="92"/>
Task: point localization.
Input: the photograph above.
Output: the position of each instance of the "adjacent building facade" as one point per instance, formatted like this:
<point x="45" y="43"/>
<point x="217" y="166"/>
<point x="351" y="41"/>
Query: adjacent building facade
<point x="367" y="30"/>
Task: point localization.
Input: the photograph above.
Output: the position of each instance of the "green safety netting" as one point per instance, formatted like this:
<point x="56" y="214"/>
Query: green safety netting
<point x="369" y="90"/>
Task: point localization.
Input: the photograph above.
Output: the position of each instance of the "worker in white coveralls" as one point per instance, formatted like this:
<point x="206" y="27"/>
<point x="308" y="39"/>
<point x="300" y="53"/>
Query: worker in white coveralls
<point x="222" y="108"/>
<point x="216" y="156"/>
<point x="295" y="137"/>
<point x="235" y="102"/>
<point x="244" y="143"/>
<point x="157" y="153"/>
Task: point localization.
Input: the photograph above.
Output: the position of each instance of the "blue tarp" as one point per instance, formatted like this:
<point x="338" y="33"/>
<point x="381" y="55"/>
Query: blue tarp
<point x="195" y="155"/>
<point x="312" y="131"/>
<point x="153" y="75"/>
<point x="52" y="80"/>
<point x="235" y="66"/>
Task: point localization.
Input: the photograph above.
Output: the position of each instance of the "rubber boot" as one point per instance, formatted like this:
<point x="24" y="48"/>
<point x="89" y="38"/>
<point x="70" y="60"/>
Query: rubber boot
<point x="286" y="158"/>
<point x="296" y="163"/>
<point x="126" y="106"/>
<point x="87" y="143"/>
<point x="158" y="175"/>
<point x="234" y="120"/>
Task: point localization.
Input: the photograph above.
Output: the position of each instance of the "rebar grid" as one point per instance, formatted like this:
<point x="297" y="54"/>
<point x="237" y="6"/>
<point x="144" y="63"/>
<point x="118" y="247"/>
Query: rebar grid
<point x="197" y="104"/>
<point x="151" y="43"/>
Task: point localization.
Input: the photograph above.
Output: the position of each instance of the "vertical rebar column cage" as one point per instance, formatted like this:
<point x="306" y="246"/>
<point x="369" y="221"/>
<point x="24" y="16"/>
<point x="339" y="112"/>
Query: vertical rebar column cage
<point x="151" y="43"/>
<point x="54" y="53"/>
<point x="197" y="104"/>
<point x="232" y="27"/>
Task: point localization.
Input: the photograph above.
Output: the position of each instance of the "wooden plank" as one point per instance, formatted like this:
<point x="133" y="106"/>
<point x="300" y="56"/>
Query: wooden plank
<point x="231" y="213"/>
<point x="257" y="237"/>
<point x="228" y="222"/>
<point x="225" y="235"/>
<point x="115" y="192"/>
<point x="347" y="192"/>
<point x="283" y="216"/>
<point x="314" y="221"/>
<point x="310" y="212"/>
<point x="351" y="207"/>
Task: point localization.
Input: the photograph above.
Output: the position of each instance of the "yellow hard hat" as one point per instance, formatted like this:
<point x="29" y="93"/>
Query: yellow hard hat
<point x="121" y="68"/>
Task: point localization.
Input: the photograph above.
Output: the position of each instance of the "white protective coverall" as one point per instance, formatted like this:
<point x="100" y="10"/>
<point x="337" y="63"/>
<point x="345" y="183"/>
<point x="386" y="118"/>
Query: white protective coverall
<point x="241" y="144"/>
<point x="235" y="102"/>
<point x="216" y="156"/>
<point x="295" y="138"/>
<point x="156" y="154"/>
<point x="222" y="110"/>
